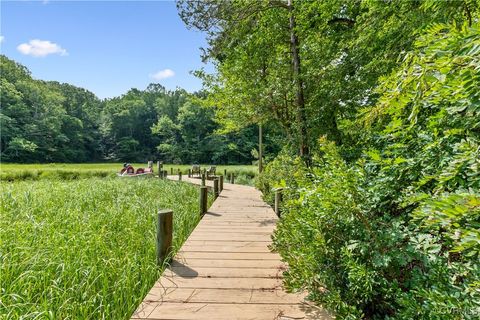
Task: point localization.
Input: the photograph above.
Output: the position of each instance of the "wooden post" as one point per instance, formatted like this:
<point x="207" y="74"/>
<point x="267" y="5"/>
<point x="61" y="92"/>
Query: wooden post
<point x="203" y="199"/>
<point x="171" y="171"/>
<point x="203" y="179"/>
<point x="232" y="178"/>
<point x="179" y="175"/>
<point x="225" y="172"/>
<point x="221" y="183"/>
<point x="189" y="173"/>
<point x="164" y="234"/>
<point x="215" y="188"/>
<point x="160" y="169"/>
<point x="278" y="201"/>
<point x="165" y="173"/>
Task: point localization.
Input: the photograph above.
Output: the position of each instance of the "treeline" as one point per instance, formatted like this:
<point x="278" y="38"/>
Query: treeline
<point x="379" y="103"/>
<point x="47" y="121"/>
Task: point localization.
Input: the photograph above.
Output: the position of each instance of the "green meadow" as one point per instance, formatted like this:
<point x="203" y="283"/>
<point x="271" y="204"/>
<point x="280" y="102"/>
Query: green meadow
<point x="85" y="248"/>
<point x="244" y="174"/>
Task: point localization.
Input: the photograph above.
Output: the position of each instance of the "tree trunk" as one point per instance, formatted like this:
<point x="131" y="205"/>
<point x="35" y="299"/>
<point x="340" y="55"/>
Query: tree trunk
<point x="300" y="99"/>
<point x="260" y="148"/>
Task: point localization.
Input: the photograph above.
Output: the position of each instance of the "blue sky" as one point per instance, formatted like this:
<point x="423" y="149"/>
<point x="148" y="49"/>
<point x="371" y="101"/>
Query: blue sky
<point x="106" y="47"/>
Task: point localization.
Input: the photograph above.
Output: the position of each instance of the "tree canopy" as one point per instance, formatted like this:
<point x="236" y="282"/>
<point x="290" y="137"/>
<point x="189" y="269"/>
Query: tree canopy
<point x="46" y="121"/>
<point x="379" y="101"/>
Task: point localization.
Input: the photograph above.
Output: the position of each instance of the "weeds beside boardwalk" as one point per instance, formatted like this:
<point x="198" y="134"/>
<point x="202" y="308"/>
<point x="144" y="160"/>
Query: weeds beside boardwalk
<point x="84" y="249"/>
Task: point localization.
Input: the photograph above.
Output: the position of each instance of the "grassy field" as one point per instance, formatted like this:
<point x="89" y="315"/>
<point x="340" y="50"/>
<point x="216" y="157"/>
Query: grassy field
<point x="14" y="172"/>
<point x="84" y="249"/>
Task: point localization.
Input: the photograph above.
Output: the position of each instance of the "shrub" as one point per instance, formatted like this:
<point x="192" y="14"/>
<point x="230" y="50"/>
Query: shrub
<point x="395" y="235"/>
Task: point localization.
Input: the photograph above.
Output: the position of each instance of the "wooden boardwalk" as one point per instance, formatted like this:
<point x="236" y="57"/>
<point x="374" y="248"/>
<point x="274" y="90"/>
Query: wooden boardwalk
<point x="225" y="269"/>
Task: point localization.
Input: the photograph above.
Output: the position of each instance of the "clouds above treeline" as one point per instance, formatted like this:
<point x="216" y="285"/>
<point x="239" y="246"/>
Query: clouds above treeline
<point x="162" y="74"/>
<point x="41" y="48"/>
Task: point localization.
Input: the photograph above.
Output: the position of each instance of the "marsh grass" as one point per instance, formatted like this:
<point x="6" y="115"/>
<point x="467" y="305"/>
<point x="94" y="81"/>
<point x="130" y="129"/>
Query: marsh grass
<point x="245" y="174"/>
<point x="84" y="249"/>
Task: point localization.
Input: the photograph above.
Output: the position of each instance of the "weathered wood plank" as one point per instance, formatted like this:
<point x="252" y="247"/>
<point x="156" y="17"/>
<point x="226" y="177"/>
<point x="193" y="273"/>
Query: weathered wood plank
<point x="220" y="283"/>
<point x="209" y="311"/>
<point x="225" y="263"/>
<point x="227" y="237"/>
<point x="212" y="272"/>
<point x="227" y="248"/>
<point x="238" y="296"/>
<point x="226" y="243"/>
<point x="229" y="255"/>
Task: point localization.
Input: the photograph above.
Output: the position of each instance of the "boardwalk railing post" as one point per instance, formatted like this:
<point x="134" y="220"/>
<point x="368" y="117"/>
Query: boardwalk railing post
<point x="203" y="199"/>
<point x="189" y="173"/>
<point x="203" y="179"/>
<point x="160" y="169"/>
<point x="232" y="178"/>
<point x="179" y="175"/>
<point x="221" y="183"/>
<point x="164" y="234"/>
<point x="225" y="172"/>
<point x="278" y="201"/>
<point x="215" y="188"/>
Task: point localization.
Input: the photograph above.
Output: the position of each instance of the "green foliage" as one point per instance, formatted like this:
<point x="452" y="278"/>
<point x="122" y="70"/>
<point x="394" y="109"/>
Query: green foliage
<point x="396" y="234"/>
<point x="344" y="47"/>
<point x="51" y="122"/>
<point x="285" y="171"/>
<point x="84" y="249"/>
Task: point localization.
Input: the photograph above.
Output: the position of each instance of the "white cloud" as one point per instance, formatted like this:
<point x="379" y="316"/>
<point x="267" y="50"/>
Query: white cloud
<point x="163" y="74"/>
<point x="2" y="38"/>
<point x="41" y="48"/>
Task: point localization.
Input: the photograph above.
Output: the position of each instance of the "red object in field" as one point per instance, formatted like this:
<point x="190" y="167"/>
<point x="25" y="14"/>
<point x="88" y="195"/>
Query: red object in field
<point x="129" y="169"/>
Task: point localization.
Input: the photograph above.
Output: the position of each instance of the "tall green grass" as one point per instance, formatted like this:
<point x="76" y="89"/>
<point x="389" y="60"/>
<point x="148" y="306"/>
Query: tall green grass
<point x="84" y="249"/>
<point x="245" y="174"/>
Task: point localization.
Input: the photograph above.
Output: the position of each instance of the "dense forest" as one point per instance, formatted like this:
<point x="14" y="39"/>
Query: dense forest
<point x="47" y="121"/>
<point x="379" y="102"/>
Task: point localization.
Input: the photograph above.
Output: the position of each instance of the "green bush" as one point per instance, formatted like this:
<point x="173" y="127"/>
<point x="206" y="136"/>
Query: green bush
<point x="395" y="235"/>
<point x="285" y="172"/>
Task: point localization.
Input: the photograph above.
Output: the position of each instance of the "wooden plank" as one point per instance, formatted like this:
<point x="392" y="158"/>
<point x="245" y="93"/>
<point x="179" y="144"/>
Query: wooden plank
<point x="211" y="311"/>
<point x="227" y="237"/>
<point x="226" y="263"/>
<point x="220" y="283"/>
<point x="227" y="248"/>
<point x="228" y="255"/>
<point x="232" y="233"/>
<point x="228" y="228"/>
<point x="238" y="296"/>
<point x="192" y="242"/>
<point x="212" y="272"/>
